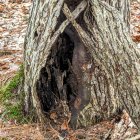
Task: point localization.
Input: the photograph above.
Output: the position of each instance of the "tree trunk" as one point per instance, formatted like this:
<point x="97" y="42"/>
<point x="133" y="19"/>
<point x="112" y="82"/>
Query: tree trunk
<point x="80" y="54"/>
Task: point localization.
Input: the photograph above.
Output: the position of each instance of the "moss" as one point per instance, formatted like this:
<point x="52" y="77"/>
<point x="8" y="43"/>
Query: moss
<point x="14" y="112"/>
<point x="6" y="92"/>
<point x="11" y="99"/>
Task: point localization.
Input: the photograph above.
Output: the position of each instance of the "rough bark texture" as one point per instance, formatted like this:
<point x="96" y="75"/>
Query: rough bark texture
<point x="83" y="56"/>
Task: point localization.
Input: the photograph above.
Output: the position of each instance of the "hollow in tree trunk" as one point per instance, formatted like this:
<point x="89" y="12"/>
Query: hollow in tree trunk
<point x="80" y="54"/>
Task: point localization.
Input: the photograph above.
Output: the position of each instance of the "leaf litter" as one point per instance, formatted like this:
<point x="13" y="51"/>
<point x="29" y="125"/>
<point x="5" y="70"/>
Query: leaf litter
<point x="13" y="24"/>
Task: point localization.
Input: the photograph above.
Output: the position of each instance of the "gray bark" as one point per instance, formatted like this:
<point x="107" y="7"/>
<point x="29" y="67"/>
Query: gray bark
<point x="105" y="61"/>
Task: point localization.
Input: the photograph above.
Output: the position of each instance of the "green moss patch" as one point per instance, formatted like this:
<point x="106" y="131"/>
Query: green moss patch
<point x="11" y="99"/>
<point x="7" y="91"/>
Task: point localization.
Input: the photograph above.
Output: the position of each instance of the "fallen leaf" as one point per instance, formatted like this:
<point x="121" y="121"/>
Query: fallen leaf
<point x="65" y="125"/>
<point x="53" y="115"/>
<point x="136" y="38"/>
<point x="2" y="8"/>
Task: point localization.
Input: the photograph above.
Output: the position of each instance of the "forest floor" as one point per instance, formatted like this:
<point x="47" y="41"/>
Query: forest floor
<point x="13" y="23"/>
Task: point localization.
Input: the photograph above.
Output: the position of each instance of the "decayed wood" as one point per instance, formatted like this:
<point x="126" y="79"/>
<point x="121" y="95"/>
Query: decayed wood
<point x="114" y="77"/>
<point x="37" y="48"/>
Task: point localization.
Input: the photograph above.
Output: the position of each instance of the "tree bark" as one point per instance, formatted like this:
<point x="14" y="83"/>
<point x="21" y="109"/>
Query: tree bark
<point x="81" y="53"/>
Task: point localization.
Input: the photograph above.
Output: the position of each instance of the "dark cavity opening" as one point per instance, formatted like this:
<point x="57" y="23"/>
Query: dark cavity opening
<point x="65" y="75"/>
<point x="57" y="80"/>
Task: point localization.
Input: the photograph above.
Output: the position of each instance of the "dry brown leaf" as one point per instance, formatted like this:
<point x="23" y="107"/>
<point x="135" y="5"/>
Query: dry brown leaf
<point x="65" y="125"/>
<point x="24" y="10"/>
<point x="136" y="38"/>
<point x="5" y="67"/>
<point x="15" y="1"/>
<point x="1" y="29"/>
<point x="2" y="7"/>
<point x="53" y="115"/>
